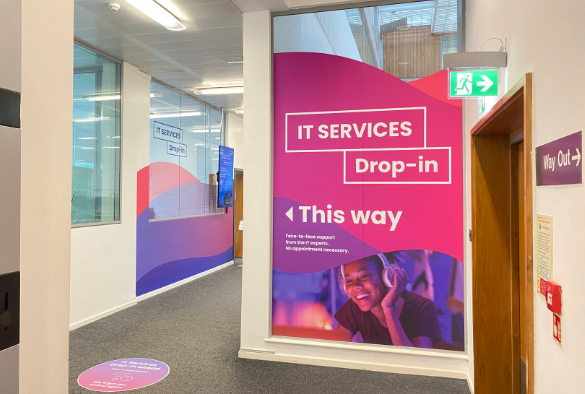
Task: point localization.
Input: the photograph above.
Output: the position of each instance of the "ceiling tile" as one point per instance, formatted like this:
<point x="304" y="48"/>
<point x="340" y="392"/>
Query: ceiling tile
<point x="111" y="42"/>
<point x="93" y="33"/>
<point x="191" y="35"/>
<point x="143" y="28"/>
<point x="206" y="10"/>
<point x="220" y="67"/>
<point x="180" y="54"/>
<point x="204" y="60"/>
<point x="218" y="21"/>
<point x="197" y="44"/>
<point x="187" y="59"/>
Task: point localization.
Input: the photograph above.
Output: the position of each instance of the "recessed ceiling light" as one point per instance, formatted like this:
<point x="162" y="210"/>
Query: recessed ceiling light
<point x="175" y="115"/>
<point x="97" y="98"/>
<point x="221" y="90"/>
<point x="233" y="59"/>
<point x="158" y="13"/>
<point x="85" y="120"/>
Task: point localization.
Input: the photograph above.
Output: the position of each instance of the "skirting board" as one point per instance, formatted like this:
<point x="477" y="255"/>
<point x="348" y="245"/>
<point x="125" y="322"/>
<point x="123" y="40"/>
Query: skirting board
<point x="470" y="384"/>
<point x="182" y="282"/>
<point x="144" y="297"/>
<point x="101" y="315"/>
<point x="329" y="362"/>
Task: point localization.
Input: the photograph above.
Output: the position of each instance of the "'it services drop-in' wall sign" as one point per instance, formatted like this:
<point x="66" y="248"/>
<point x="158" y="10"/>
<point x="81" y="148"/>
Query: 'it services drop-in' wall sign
<point x="173" y="136"/>
<point x="473" y="83"/>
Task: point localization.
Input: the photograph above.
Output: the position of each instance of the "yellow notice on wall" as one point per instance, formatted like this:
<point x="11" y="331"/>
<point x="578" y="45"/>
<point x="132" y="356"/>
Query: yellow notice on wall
<point x="544" y="248"/>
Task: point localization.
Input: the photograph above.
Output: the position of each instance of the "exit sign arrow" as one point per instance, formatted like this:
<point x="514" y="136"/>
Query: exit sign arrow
<point x="473" y="83"/>
<point x="487" y="83"/>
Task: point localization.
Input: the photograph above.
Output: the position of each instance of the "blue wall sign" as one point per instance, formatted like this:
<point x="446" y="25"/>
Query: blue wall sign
<point x="226" y="176"/>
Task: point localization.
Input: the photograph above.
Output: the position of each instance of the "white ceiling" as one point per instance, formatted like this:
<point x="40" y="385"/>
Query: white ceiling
<point x="195" y="57"/>
<point x="188" y="59"/>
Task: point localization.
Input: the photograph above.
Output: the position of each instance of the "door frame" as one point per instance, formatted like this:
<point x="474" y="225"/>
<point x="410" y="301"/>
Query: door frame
<point x="236" y="171"/>
<point x="492" y="138"/>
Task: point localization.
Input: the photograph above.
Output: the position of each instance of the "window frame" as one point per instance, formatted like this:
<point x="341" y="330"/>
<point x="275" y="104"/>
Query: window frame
<point x="120" y="157"/>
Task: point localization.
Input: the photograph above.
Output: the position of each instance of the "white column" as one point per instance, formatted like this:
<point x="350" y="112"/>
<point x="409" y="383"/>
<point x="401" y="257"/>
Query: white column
<point x="46" y="113"/>
<point x="103" y="258"/>
<point x="257" y="154"/>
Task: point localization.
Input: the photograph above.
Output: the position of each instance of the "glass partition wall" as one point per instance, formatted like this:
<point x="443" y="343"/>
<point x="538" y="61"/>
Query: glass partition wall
<point x="184" y="155"/>
<point x="95" y="193"/>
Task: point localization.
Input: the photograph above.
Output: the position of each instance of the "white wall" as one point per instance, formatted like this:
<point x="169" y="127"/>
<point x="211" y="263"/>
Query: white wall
<point x="256" y="281"/>
<point x="235" y="138"/>
<point x="547" y="38"/>
<point x="103" y="258"/>
<point x="46" y="113"/>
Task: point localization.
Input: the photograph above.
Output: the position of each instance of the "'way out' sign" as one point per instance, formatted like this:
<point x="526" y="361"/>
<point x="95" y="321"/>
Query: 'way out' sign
<point x="559" y="162"/>
<point x="473" y="83"/>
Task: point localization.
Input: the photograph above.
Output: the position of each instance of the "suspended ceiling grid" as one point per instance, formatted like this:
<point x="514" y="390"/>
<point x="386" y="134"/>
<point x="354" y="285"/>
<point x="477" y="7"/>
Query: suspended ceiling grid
<point x="185" y="60"/>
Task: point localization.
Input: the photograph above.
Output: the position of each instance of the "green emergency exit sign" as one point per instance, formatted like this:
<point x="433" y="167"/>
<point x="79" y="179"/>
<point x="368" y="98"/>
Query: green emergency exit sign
<point x="473" y="83"/>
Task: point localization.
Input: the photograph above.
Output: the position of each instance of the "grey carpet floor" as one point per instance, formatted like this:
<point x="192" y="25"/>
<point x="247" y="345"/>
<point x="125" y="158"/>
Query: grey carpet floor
<point x="195" y="329"/>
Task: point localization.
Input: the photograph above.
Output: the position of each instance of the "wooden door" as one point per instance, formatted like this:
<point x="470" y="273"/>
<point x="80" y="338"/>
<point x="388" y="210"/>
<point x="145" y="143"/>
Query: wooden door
<point x="238" y="215"/>
<point x="502" y="269"/>
<point x="493" y="317"/>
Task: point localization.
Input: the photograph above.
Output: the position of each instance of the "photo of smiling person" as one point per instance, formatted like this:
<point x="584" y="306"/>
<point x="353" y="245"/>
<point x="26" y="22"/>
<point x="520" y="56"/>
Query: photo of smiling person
<point x="381" y="309"/>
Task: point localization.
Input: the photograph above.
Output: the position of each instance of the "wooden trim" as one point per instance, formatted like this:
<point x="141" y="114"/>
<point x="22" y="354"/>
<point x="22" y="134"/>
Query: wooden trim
<point x="505" y="106"/>
<point x="528" y="349"/>
<point x="491" y="198"/>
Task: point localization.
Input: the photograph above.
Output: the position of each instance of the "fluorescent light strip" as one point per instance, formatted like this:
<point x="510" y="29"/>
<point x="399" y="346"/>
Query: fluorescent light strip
<point x="179" y="115"/>
<point x="224" y="90"/>
<point x="97" y="98"/>
<point x="90" y="119"/>
<point x="158" y="13"/>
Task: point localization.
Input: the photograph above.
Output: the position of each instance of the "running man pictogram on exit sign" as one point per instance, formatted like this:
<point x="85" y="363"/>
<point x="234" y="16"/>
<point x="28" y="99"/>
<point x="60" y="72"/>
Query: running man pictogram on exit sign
<point x="473" y="83"/>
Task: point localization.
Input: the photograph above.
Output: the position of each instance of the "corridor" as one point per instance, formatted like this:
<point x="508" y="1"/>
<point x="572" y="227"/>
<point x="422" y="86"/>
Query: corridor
<point x="195" y="330"/>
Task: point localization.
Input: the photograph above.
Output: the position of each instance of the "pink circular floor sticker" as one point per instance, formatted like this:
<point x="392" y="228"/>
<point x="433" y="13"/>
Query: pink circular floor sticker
<point x="122" y="375"/>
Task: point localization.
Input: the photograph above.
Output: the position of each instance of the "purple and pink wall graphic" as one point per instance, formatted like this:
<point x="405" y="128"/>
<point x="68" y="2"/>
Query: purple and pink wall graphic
<point x="175" y="249"/>
<point x="368" y="185"/>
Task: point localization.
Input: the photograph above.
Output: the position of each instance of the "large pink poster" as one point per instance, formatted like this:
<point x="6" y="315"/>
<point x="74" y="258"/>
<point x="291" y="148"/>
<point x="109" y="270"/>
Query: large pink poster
<point x="368" y="205"/>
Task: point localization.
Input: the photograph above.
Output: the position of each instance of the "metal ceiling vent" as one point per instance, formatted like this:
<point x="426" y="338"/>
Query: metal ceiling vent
<point x="393" y="26"/>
